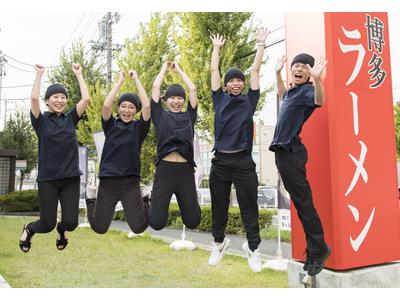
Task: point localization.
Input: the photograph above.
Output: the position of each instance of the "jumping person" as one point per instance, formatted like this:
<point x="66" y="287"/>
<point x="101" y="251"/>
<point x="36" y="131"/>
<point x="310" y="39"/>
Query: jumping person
<point x="58" y="170"/>
<point x="232" y="162"/>
<point x="175" y="162"/>
<point x="120" y="160"/>
<point x="298" y="103"/>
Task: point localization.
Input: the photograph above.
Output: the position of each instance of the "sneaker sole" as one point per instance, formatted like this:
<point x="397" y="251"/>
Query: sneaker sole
<point x="248" y="256"/>
<point x="328" y="253"/>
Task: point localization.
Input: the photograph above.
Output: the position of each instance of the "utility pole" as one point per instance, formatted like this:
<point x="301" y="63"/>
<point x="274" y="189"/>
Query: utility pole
<point x="105" y="41"/>
<point x="2" y="73"/>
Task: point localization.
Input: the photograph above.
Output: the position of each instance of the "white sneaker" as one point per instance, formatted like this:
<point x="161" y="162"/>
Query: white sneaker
<point x="253" y="257"/>
<point x="217" y="251"/>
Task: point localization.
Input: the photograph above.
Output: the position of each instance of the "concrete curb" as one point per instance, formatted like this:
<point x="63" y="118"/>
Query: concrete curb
<point x="3" y="283"/>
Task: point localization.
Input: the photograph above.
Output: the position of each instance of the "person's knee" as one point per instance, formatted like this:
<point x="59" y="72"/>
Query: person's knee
<point x="100" y="230"/>
<point x="47" y="226"/>
<point x="157" y="224"/>
<point x="139" y="229"/>
<point x="70" y="225"/>
<point x="192" y="224"/>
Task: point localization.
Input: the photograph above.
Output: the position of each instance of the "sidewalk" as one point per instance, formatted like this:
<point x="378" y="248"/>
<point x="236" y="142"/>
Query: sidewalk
<point x="203" y="240"/>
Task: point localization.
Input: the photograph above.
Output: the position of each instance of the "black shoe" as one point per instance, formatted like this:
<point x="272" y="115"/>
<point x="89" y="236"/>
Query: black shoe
<point x="62" y="242"/>
<point x="25" y="245"/>
<point x="317" y="262"/>
<point x="307" y="262"/>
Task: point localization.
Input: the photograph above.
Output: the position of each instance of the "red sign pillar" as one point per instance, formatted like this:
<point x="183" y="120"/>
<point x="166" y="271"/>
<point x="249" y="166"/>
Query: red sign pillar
<point x="351" y="139"/>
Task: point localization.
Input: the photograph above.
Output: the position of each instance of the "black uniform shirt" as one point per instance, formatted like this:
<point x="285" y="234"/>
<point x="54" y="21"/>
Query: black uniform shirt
<point x="58" y="145"/>
<point x="233" y="121"/>
<point x="121" y="152"/>
<point x="175" y="131"/>
<point x="297" y="106"/>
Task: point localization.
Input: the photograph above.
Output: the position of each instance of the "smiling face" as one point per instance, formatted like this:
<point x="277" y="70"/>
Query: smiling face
<point x="57" y="103"/>
<point x="300" y="73"/>
<point x="175" y="103"/>
<point x="126" y="111"/>
<point x="235" y="86"/>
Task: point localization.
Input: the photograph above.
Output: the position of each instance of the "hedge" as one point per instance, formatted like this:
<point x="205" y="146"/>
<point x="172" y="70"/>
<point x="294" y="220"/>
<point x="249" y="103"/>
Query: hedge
<point x="20" y="201"/>
<point x="27" y="201"/>
<point x="234" y="226"/>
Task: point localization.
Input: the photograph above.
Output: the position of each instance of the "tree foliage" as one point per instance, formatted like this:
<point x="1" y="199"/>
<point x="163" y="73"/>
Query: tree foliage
<point x="145" y="54"/>
<point x="18" y="134"/>
<point x="95" y="80"/>
<point x="195" y="48"/>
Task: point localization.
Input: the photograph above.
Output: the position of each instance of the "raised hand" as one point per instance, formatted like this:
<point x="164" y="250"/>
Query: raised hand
<point x="121" y="77"/>
<point x="175" y="66"/>
<point x="133" y="74"/>
<point x="318" y="68"/>
<point x="217" y="40"/>
<point x="39" y="69"/>
<point x="77" y="69"/>
<point x="261" y="34"/>
<point x="280" y="63"/>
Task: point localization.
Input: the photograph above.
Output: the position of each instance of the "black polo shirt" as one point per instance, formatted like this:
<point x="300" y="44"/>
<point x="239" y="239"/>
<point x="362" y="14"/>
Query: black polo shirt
<point x="121" y="151"/>
<point x="233" y="120"/>
<point x="297" y="106"/>
<point x="175" y="131"/>
<point x="58" y="145"/>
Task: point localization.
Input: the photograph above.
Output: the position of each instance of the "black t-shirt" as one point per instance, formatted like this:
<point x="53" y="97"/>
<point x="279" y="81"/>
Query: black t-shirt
<point x="233" y="121"/>
<point x="121" y="152"/>
<point x="297" y="106"/>
<point x="58" y="145"/>
<point x="175" y="131"/>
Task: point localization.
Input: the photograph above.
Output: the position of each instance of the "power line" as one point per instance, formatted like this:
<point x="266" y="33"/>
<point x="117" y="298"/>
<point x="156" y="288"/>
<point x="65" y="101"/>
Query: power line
<point x="19" y="68"/>
<point x="16" y="86"/>
<point x="18" y="61"/>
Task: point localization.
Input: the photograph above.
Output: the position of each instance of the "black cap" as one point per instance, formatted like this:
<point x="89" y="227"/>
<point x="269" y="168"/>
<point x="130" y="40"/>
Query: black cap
<point x="130" y="97"/>
<point x="303" y="58"/>
<point x="175" y="90"/>
<point x="233" y="73"/>
<point x="55" y="89"/>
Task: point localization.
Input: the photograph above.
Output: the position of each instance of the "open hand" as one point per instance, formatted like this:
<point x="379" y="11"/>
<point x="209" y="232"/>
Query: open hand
<point x="217" y="40"/>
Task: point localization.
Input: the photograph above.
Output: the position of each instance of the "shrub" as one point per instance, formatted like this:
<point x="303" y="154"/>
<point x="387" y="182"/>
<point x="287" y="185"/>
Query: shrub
<point x="235" y="224"/>
<point x="20" y="201"/>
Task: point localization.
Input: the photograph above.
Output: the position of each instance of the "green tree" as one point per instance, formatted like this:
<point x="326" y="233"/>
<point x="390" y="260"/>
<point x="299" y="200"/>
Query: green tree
<point x="195" y="48"/>
<point x="145" y="54"/>
<point x="18" y="134"/>
<point x="95" y="80"/>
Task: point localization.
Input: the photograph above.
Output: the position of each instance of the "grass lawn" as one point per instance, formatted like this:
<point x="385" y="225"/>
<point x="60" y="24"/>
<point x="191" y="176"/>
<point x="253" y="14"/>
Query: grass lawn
<point x="113" y="260"/>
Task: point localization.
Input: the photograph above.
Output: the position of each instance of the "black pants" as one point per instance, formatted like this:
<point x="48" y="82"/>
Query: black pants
<point x="49" y="192"/>
<point x="239" y="169"/>
<point x="114" y="189"/>
<point x="174" y="178"/>
<point x="292" y="168"/>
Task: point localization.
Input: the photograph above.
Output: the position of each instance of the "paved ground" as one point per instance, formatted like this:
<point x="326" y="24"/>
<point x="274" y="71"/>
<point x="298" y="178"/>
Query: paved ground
<point x="268" y="248"/>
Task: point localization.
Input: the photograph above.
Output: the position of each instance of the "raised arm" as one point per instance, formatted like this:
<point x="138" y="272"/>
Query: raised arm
<point x="35" y="95"/>
<point x="261" y="37"/>
<point x="83" y="103"/>
<point x="112" y="95"/>
<point x="279" y="81"/>
<point x="218" y="42"/>
<point x="316" y="72"/>
<point x="190" y="85"/>
<point x="144" y="99"/>
<point x="155" y="91"/>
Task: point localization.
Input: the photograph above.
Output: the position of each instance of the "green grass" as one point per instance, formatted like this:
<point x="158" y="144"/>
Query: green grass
<point x="271" y="233"/>
<point x="113" y="260"/>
